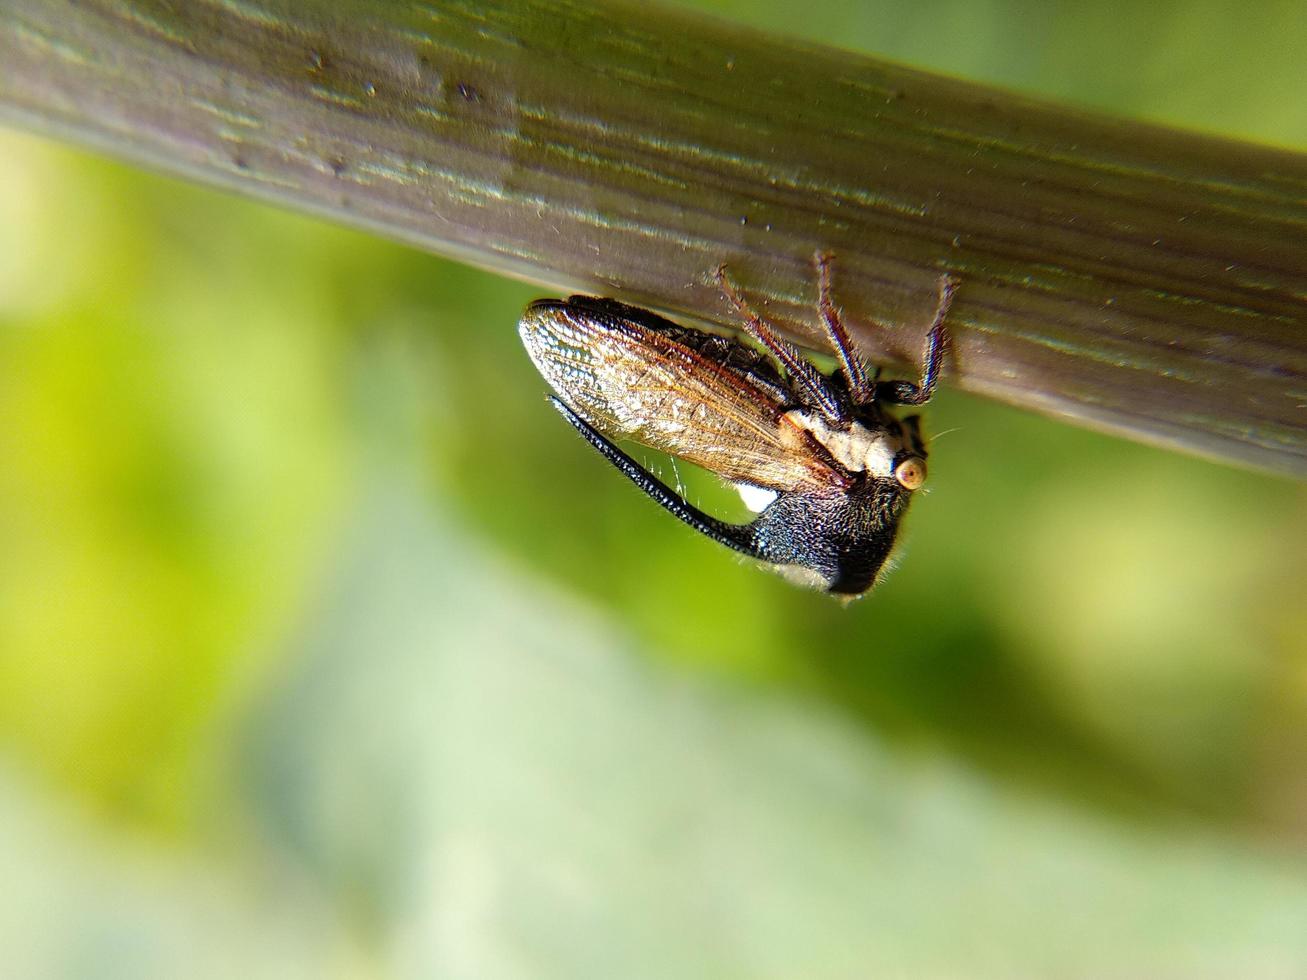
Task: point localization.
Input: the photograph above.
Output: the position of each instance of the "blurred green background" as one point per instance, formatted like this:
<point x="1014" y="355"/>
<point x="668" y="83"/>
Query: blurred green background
<point x="327" y="649"/>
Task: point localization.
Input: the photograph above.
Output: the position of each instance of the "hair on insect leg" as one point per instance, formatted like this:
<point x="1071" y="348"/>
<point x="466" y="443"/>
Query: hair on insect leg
<point x="938" y="338"/>
<point x="937" y="344"/>
<point x="795" y="365"/>
<point x="855" y="372"/>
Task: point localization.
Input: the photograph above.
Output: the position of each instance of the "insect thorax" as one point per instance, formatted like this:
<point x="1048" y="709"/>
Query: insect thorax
<point x="870" y="444"/>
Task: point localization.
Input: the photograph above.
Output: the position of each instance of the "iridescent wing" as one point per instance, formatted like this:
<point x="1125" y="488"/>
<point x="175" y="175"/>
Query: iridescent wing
<point x="634" y="378"/>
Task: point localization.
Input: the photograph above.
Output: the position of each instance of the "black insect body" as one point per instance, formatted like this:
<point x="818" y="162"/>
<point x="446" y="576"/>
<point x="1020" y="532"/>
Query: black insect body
<point x="822" y="460"/>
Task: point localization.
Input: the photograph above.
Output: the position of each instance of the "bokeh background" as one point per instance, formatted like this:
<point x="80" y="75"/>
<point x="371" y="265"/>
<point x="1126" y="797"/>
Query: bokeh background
<point x="328" y="650"/>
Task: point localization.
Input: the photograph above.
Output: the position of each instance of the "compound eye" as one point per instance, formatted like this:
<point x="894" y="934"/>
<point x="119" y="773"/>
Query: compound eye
<point x="911" y="473"/>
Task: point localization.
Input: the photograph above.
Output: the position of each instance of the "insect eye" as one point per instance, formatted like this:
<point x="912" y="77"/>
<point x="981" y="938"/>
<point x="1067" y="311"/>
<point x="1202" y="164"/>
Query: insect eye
<point x="911" y="473"/>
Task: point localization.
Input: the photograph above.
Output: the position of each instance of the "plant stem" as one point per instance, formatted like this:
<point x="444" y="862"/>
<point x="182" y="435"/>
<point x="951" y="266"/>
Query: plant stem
<point x="1123" y="276"/>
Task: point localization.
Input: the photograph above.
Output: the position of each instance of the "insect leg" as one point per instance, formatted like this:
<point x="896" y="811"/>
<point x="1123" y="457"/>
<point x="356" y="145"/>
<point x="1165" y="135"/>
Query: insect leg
<point x="740" y="537"/>
<point x="912" y="427"/>
<point x="937" y="342"/>
<point x="800" y="371"/>
<point x="855" y="372"/>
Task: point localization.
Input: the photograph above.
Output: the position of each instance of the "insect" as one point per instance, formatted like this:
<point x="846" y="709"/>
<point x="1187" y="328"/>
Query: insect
<point x="820" y="459"/>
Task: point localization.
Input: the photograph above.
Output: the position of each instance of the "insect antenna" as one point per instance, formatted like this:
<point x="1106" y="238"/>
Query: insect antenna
<point x="937" y="436"/>
<point x="855" y="372"/>
<point x="800" y="371"/>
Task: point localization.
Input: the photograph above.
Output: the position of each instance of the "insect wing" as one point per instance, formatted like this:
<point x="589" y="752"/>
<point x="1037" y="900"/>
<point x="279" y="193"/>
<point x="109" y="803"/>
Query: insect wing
<point x="632" y="381"/>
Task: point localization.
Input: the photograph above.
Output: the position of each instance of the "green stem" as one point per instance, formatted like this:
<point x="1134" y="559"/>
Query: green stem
<point x="1123" y="276"/>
